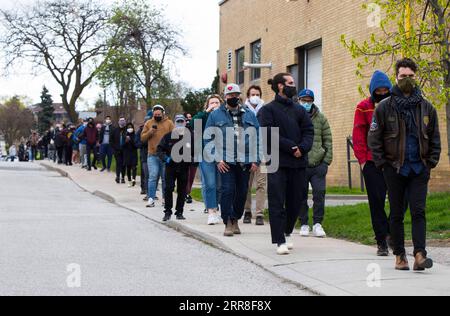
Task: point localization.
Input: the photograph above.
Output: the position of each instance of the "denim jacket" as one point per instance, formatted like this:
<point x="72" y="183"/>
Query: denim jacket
<point x="222" y="120"/>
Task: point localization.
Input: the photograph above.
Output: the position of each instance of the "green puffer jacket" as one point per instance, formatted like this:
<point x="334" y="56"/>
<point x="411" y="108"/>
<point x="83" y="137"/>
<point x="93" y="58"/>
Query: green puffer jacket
<point x="322" y="151"/>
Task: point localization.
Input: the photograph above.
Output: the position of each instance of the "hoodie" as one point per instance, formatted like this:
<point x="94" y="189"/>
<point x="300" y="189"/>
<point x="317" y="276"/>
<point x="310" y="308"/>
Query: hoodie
<point x="363" y="118"/>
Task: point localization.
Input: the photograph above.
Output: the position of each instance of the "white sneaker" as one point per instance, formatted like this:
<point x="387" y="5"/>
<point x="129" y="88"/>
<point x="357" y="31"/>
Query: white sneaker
<point x="212" y="219"/>
<point x="318" y="231"/>
<point x="130" y="184"/>
<point x="289" y="243"/>
<point x="283" y="250"/>
<point x="305" y="231"/>
<point x="151" y="203"/>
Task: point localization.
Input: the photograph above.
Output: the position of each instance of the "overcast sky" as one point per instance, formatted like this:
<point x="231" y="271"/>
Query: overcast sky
<point x="197" y="19"/>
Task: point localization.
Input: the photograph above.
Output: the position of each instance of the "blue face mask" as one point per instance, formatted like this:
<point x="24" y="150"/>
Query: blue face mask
<point x="307" y="106"/>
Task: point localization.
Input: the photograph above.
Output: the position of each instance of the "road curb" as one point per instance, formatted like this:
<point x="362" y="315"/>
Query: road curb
<point x="187" y="231"/>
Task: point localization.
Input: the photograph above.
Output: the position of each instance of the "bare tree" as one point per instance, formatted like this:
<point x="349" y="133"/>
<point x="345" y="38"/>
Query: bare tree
<point x="145" y="33"/>
<point x="67" y="37"/>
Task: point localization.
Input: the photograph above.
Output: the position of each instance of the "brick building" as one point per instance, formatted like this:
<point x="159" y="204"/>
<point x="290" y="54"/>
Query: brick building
<point x="303" y="37"/>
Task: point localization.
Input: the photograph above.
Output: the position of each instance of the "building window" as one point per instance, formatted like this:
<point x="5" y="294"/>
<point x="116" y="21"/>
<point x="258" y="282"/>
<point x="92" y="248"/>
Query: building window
<point x="310" y="69"/>
<point x="240" y="59"/>
<point x="256" y="59"/>
<point x="230" y="61"/>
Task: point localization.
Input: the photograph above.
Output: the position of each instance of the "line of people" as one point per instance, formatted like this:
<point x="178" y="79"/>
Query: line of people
<point x="235" y="142"/>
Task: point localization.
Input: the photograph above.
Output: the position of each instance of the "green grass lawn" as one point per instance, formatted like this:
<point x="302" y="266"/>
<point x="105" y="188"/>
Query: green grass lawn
<point x="345" y="191"/>
<point x="354" y="223"/>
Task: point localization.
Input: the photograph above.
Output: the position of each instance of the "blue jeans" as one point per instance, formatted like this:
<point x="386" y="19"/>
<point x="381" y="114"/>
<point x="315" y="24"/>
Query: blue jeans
<point x="234" y="192"/>
<point x="106" y="152"/>
<point x="156" y="170"/>
<point x="211" y="184"/>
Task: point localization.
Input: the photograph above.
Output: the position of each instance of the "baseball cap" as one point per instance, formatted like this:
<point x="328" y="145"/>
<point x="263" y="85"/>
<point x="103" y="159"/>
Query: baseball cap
<point x="306" y="93"/>
<point x="232" y="88"/>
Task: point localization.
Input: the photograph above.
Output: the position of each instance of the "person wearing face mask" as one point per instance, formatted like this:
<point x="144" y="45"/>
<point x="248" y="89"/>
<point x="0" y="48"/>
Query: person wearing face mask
<point x="287" y="186"/>
<point x="130" y="155"/>
<point x="82" y="143"/>
<point x="118" y="143"/>
<point x="235" y="162"/>
<point x="319" y="159"/>
<point x="380" y="89"/>
<point x="105" y="144"/>
<point x="177" y="168"/>
<point x="405" y="142"/>
<point x="90" y="134"/>
<point x="154" y="131"/>
<point x="211" y="184"/>
<point x="254" y="103"/>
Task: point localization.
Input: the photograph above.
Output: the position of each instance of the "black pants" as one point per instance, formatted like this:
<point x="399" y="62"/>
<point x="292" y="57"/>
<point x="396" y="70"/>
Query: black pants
<point x="286" y="191"/>
<point x="377" y="191"/>
<point x="131" y="172"/>
<point x="60" y="151"/>
<point x="69" y="152"/>
<point x="90" y="149"/>
<point x="144" y="175"/>
<point x="415" y="188"/>
<point x="120" y="167"/>
<point x="318" y="178"/>
<point x="178" y="175"/>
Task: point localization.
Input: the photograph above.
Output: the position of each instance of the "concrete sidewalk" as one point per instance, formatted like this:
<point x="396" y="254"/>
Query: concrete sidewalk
<point x="323" y="266"/>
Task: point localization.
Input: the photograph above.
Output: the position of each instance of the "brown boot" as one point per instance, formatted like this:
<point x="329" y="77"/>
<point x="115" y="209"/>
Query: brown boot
<point x="421" y="263"/>
<point x="229" y="229"/>
<point x="236" y="229"/>
<point x="401" y="263"/>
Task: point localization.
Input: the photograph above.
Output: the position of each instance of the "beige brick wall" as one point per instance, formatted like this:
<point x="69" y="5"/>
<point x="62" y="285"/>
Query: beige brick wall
<point x="283" y="27"/>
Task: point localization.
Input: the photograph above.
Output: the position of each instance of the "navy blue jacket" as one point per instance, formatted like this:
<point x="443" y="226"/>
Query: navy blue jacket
<point x="295" y="129"/>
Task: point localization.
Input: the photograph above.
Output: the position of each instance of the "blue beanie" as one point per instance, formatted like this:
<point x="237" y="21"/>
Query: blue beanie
<point x="150" y="114"/>
<point x="379" y="80"/>
<point x="306" y="93"/>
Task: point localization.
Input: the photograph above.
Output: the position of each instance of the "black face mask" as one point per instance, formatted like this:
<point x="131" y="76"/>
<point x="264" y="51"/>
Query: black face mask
<point x="290" y="92"/>
<point x="233" y="102"/>
<point x="377" y="98"/>
<point x="158" y="118"/>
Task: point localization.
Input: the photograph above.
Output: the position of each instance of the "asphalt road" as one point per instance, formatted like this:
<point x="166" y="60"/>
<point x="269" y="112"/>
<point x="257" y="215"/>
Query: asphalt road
<point x="56" y="239"/>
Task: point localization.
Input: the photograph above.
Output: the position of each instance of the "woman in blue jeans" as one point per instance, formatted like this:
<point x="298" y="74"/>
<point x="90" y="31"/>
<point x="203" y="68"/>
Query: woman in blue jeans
<point x="210" y="175"/>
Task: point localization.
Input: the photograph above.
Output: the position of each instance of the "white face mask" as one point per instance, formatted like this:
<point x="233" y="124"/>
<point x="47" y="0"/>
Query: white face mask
<point x="108" y="122"/>
<point x="130" y="130"/>
<point x="255" y="100"/>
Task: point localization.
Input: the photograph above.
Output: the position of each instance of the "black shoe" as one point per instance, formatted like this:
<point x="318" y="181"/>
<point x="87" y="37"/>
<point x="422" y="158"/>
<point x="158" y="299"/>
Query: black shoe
<point x="167" y="217"/>
<point x="259" y="221"/>
<point x="89" y="169"/>
<point x="95" y="168"/>
<point x="180" y="217"/>
<point x="123" y="181"/>
<point x="247" y="218"/>
<point x="143" y="192"/>
<point x="103" y="170"/>
<point x="383" y="250"/>
<point x="117" y="180"/>
<point x="206" y="211"/>
<point x="189" y="199"/>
